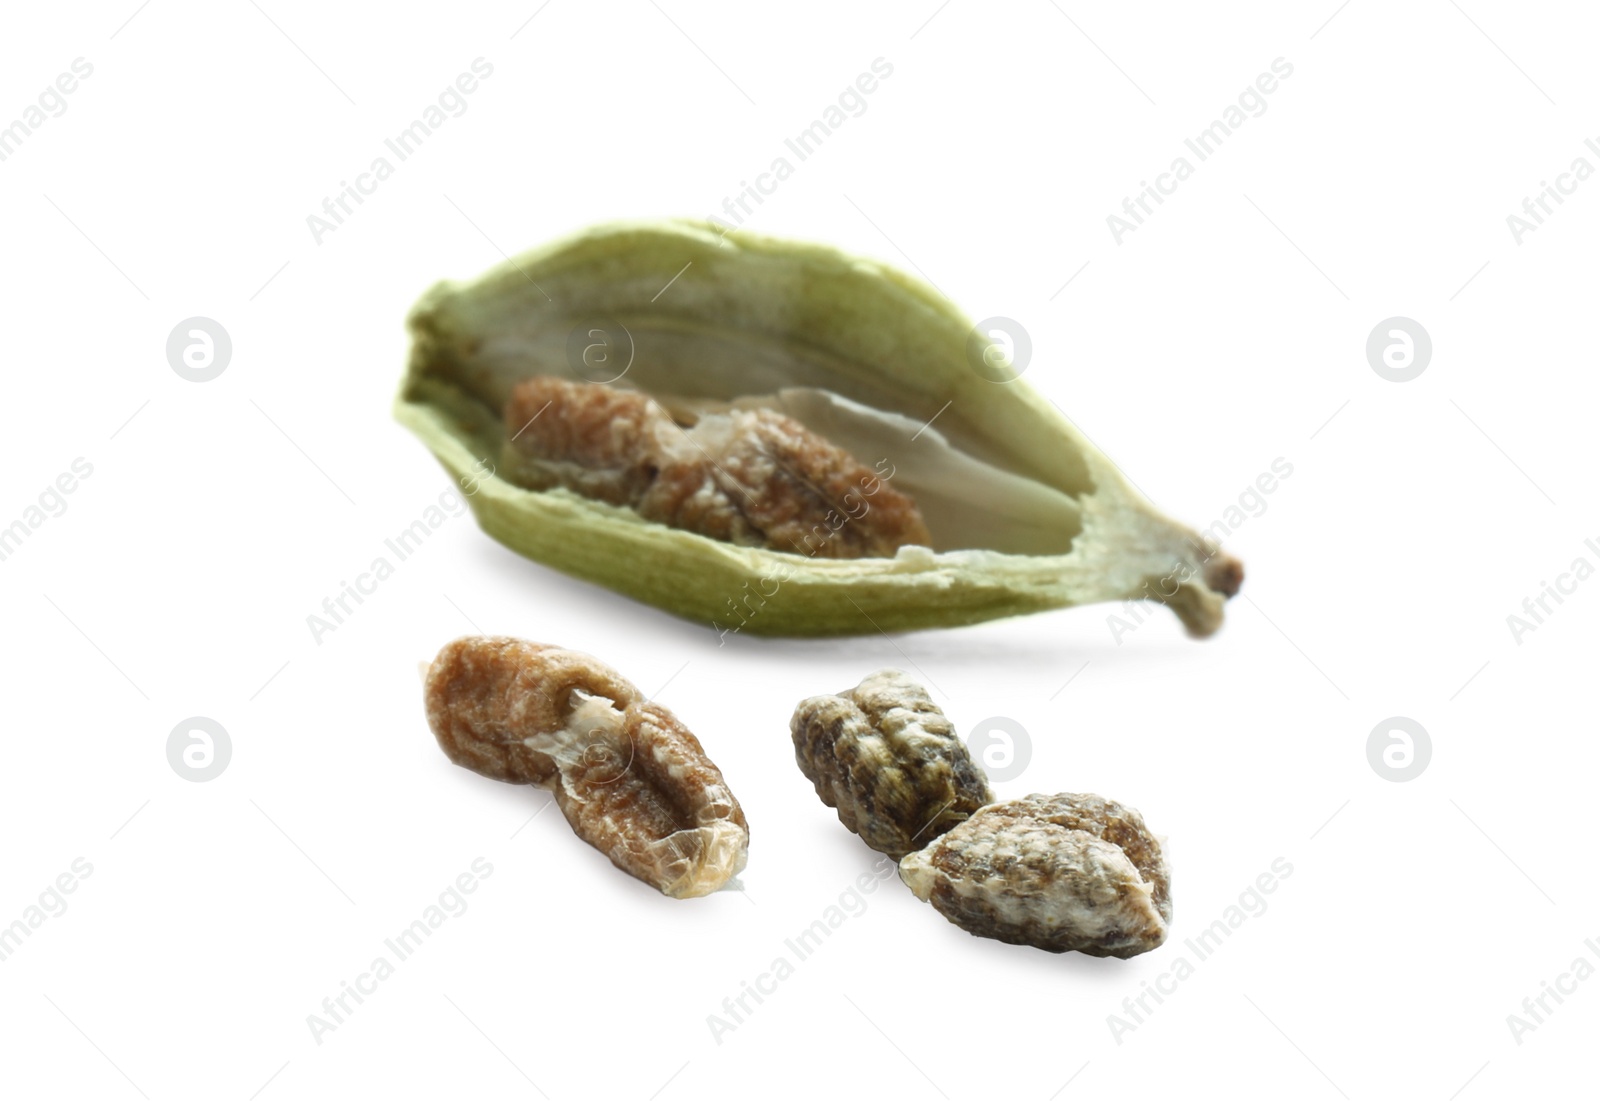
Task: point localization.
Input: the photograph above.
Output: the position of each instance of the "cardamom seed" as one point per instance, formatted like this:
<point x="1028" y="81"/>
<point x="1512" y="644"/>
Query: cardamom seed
<point x="749" y="476"/>
<point x="887" y="760"/>
<point x="1065" y="873"/>
<point x="630" y="778"/>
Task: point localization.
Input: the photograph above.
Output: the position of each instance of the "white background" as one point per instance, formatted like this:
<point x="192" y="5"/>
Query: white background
<point x="1226" y="332"/>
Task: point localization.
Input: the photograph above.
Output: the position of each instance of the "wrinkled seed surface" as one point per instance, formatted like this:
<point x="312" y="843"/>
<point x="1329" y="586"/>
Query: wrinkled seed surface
<point x="1065" y="873"/>
<point x="629" y="777"/>
<point x="885" y="756"/>
<point x="751" y="477"/>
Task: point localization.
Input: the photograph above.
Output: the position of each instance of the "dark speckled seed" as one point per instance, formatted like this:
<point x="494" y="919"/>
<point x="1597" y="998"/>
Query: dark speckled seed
<point x="887" y="759"/>
<point x="1065" y="873"/>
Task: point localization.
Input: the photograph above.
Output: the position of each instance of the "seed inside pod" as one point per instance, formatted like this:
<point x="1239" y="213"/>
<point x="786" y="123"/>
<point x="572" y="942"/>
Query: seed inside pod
<point x="748" y="476"/>
<point x="885" y="756"/>
<point x="1065" y="873"/>
<point x="1021" y="512"/>
<point x="629" y="777"/>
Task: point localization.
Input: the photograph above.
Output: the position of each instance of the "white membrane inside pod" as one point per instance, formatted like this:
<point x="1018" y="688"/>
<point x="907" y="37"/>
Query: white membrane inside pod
<point x="689" y="358"/>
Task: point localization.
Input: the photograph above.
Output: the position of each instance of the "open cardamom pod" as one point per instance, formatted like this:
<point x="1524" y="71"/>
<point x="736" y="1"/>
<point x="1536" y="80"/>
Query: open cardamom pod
<point x="1021" y="512"/>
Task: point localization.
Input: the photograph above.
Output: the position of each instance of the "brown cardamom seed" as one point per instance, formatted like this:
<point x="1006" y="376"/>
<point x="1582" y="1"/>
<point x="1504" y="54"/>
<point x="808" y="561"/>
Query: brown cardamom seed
<point x="752" y="477"/>
<point x="629" y="777"/>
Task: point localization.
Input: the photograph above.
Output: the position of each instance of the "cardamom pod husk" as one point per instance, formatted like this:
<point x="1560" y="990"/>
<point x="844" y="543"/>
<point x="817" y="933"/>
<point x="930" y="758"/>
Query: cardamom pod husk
<point x="1025" y="513"/>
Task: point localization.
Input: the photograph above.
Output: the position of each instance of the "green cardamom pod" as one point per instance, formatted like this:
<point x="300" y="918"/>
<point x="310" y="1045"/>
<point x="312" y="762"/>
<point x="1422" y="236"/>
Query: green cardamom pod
<point x="1022" y="512"/>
